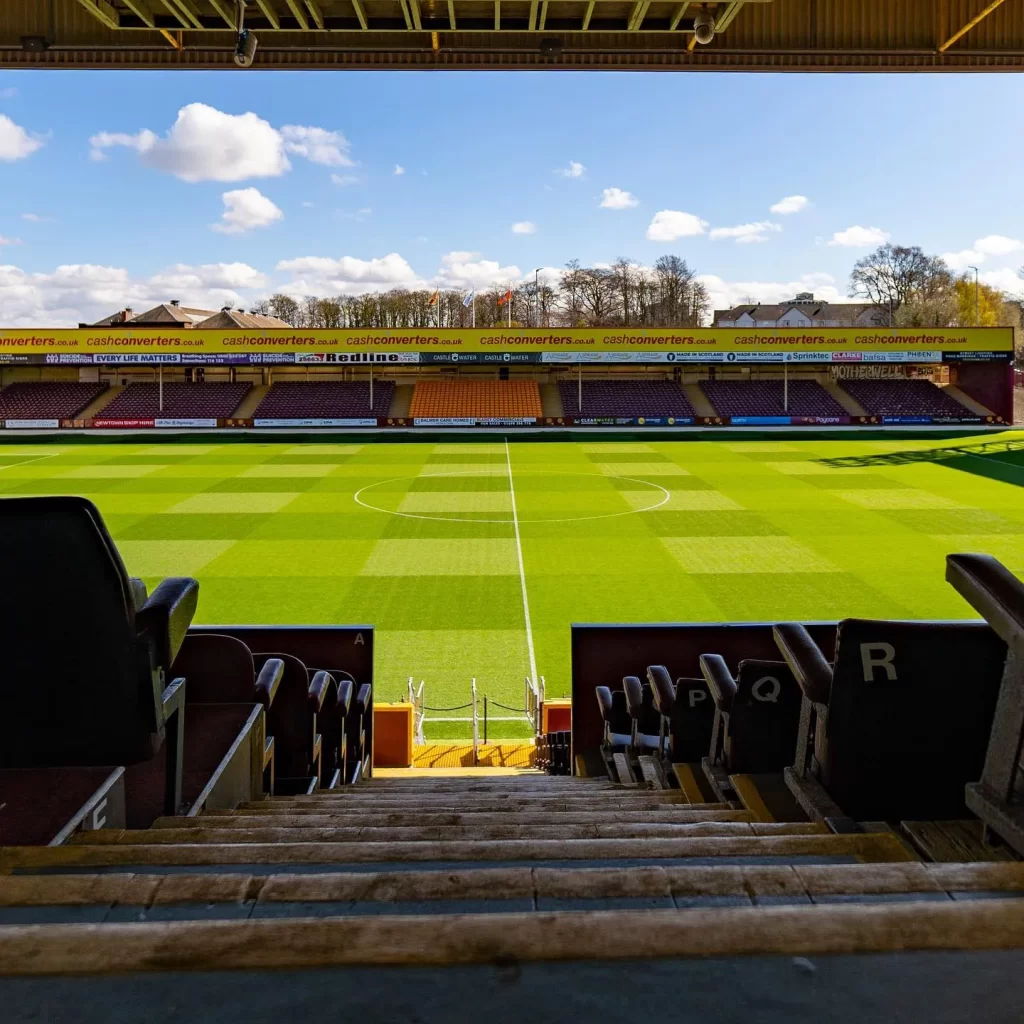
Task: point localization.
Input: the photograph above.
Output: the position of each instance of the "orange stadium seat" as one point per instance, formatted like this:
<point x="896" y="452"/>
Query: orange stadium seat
<point x="484" y="398"/>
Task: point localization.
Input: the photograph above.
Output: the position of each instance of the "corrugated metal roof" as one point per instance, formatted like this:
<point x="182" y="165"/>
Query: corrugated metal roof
<point x="765" y="34"/>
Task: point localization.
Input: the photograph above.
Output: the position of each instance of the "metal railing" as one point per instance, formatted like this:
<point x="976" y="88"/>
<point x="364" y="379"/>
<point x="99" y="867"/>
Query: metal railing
<point x="423" y="713"/>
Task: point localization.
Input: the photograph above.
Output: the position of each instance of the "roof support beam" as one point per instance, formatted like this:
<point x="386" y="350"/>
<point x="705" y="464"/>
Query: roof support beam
<point x="637" y="15"/>
<point x="588" y="15"/>
<point x="298" y="14"/>
<point x="226" y="11"/>
<point x="451" y="14"/>
<point x="729" y="17"/>
<point x="497" y="15"/>
<point x="357" y="6"/>
<point x="967" y="28"/>
<point x="678" y="16"/>
<point x="315" y="13"/>
<point x="543" y="14"/>
<point x="142" y="11"/>
<point x="102" y="12"/>
<point x="533" y="15"/>
<point x="175" y="12"/>
<point x="269" y="13"/>
<point x="191" y="12"/>
<point x="174" y="40"/>
<point x="406" y="17"/>
<point x="414" y="10"/>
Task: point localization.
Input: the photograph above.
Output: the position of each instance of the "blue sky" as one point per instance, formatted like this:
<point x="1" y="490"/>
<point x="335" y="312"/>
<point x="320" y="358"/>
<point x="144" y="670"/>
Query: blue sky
<point x="125" y="179"/>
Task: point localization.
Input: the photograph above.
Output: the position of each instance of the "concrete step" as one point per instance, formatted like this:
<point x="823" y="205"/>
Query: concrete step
<point x="932" y="961"/>
<point x="305" y="856"/>
<point x="358" y="819"/>
<point x="600" y="812"/>
<point x="52" y="899"/>
<point x="619" y="799"/>
<point x="443" y="834"/>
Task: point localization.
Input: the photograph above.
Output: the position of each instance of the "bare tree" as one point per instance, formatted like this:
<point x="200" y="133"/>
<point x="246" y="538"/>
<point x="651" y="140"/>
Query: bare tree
<point x="893" y="275"/>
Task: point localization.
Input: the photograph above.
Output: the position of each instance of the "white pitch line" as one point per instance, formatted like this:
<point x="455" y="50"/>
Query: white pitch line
<point x="522" y="573"/>
<point x="27" y="462"/>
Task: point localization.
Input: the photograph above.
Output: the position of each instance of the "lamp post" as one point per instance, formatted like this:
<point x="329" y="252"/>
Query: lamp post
<point x="976" y="295"/>
<point x="536" y="297"/>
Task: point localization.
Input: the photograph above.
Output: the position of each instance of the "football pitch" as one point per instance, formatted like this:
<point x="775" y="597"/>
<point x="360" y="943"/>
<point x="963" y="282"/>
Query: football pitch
<point x="473" y="559"/>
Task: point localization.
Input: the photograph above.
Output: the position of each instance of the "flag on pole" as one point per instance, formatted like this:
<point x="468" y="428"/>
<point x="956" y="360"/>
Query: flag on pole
<point x="434" y="298"/>
<point x="469" y="297"/>
<point x="507" y="297"/>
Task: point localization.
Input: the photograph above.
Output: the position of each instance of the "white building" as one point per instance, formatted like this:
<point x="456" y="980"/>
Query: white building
<point x="803" y="311"/>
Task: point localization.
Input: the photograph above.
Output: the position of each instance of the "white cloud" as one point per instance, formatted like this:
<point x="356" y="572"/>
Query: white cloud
<point x="8" y="94"/>
<point x="245" y="209"/>
<point x="322" y="275"/>
<point x="963" y="259"/>
<point x="15" y="142"/>
<point x="998" y="245"/>
<point x="859" y="238"/>
<point x="618" y="199"/>
<point x="742" y="233"/>
<point x="790" y="205"/>
<point x="524" y="227"/>
<point x="668" y="225"/>
<point x="307" y="204"/>
<point x="1006" y="280"/>
<point x="32" y="218"/>
<point x="9" y="241"/>
<point x="399" y="170"/>
<point x="460" y="269"/>
<point x="82" y="293"/>
<point x="726" y="294"/>
<point x="344" y="179"/>
<point x="574" y="170"/>
<point x="205" y="144"/>
<point x="318" y="145"/>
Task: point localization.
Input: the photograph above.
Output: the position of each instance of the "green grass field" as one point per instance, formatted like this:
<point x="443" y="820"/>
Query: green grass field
<point x="430" y="544"/>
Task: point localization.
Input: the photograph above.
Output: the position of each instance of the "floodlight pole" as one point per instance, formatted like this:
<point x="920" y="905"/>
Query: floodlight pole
<point x="371" y="387"/>
<point x="160" y="385"/>
<point x="976" y="297"/>
<point x="785" y="387"/>
<point x="579" y="386"/>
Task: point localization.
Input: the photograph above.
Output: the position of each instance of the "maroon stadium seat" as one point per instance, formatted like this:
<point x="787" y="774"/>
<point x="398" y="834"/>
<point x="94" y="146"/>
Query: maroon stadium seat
<point x="687" y="715"/>
<point x="757" y="715"/>
<point x="904" y="398"/>
<point x="625" y="398"/>
<point x="325" y="400"/>
<point x="181" y="400"/>
<point x="769" y="398"/>
<point x="900" y="724"/>
<point x="84" y="678"/>
<point x="48" y="400"/>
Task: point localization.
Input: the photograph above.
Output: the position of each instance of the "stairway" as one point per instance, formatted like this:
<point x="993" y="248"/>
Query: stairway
<point x="525" y="889"/>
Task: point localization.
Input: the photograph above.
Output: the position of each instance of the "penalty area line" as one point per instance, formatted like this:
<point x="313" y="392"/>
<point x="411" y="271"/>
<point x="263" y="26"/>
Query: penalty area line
<point x="522" y="573"/>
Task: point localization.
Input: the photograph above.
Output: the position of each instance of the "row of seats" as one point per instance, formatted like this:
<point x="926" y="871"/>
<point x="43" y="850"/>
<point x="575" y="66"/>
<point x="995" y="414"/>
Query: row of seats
<point x="48" y="400"/>
<point x="326" y="400"/>
<point x="129" y="690"/>
<point x="903" y="398"/>
<point x="180" y="400"/>
<point x="485" y="398"/>
<point x="603" y="398"/>
<point x="476" y="398"/>
<point x="770" y="398"/>
<point x="893" y="728"/>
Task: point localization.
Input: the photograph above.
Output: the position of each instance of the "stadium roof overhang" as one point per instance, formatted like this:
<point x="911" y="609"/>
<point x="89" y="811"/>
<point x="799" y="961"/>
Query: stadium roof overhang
<point x="750" y="35"/>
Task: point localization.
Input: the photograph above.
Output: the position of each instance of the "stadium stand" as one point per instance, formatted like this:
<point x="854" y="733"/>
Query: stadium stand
<point x="48" y="399"/>
<point x="767" y="398"/>
<point x="533" y="886"/>
<point x="476" y="398"/>
<point x="180" y="400"/>
<point x="903" y="398"/>
<point x="624" y="398"/>
<point x="327" y="400"/>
